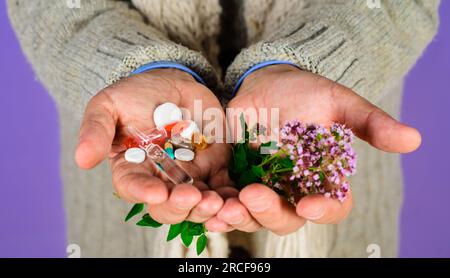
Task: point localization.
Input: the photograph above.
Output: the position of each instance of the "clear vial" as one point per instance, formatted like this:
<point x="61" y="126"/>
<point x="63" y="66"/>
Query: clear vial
<point x="144" y="138"/>
<point x="170" y="168"/>
<point x="180" y="142"/>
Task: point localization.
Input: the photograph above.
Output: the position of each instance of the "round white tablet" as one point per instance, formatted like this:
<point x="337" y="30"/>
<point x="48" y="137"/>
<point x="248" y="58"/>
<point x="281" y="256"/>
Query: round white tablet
<point x="189" y="130"/>
<point x="135" y="155"/>
<point x="167" y="113"/>
<point x="184" y="154"/>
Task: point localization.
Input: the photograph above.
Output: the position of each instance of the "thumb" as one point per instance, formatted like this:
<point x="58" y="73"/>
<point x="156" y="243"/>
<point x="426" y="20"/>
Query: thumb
<point x="96" y="133"/>
<point x="375" y="126"/>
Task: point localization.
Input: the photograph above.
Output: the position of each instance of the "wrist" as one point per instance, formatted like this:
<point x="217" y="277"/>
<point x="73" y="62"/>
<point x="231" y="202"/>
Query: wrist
<point x="262" y="74"/>
<point x="169" y="65"/>
<point x="170" y="73"/>
<point x="269" y="70"/>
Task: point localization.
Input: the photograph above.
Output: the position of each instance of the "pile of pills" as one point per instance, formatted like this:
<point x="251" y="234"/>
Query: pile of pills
<point x="172" y="139"/>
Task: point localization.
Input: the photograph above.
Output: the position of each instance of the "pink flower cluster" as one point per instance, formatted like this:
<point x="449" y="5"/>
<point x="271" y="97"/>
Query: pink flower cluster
<point x="323" y="158"/>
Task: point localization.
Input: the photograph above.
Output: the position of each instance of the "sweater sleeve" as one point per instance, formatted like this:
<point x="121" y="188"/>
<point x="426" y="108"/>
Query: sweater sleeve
<point x="76" y="50"/>
<point x="364" y="45"/>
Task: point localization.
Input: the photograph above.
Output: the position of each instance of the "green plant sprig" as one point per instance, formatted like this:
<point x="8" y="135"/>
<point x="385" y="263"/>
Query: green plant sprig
<point x="187" y="230"/>
<point x="247" y="166"/>
<point x="252" y="165"/>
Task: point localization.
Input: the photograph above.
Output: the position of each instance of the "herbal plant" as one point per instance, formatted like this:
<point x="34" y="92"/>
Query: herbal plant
<point x="309" y="159"/>
<point x="187" y="230"/>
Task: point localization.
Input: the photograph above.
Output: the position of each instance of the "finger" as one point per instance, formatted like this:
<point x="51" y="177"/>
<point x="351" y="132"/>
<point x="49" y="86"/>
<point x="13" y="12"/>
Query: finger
<point x="323" y="210"/>
<point x="182" y="199"/>
<point x="96" y="132"/>
<point x="227" y="192"/>
<point x="216" y="225"/>
<point x="270" y="210"/>
<point x="236" y="215"/>
<point x="208" y="207"/>
<point x="373" y="125"/>
<point x="136" y="183"/>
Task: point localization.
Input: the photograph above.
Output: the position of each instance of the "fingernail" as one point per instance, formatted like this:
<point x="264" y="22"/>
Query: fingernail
<point x="313" y="212"/>
<point x="258" y="205"/>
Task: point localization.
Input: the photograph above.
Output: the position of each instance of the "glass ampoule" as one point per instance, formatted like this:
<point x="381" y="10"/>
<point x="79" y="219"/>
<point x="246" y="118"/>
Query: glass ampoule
<point x="180" y="142"/>
<point x="174" y="172"/>
<point x="144" y="138"/>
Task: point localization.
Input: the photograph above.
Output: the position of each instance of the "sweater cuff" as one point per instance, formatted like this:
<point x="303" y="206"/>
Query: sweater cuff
<point x="257" y="67"/>
<point x="168" y="65"/>
<point x="316" y="47"/>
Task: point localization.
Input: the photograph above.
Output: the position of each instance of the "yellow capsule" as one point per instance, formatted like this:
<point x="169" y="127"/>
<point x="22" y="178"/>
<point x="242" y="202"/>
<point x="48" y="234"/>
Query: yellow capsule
<point x="199" y="141"/>
<point x="167" y="145"/>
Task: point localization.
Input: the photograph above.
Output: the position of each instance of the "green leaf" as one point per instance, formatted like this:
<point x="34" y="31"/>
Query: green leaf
<point x="286" y="162"/>
<point x="186" y="238"/>
<point x="321" y="176"/>
<point x="320" y="161"/>
<point x="336" y="136"/>
<point x="148" y="221"/>
<point x="275" y="179"/>
<point x="137" y="208"/>
<point x="201" y="243"/>
<point x="185" y="225"/>
<point x="245" y="133"/>
<point x="258" y="171"/>
<point x="240" y="159"/>
<point x="254" y="157"/>
<point x="174" y="231"/>
<point x="247" y="178"/>
<point x="319" y="137"/>
<point x="196" y="229"/>
<point x="270" y="145"/>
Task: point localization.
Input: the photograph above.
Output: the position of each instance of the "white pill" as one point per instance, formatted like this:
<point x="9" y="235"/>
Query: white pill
<point x="189" y="130"/>
<point x="184" y="154"/>
<point x="135" y="155"/>
<point x="167" y="113"/>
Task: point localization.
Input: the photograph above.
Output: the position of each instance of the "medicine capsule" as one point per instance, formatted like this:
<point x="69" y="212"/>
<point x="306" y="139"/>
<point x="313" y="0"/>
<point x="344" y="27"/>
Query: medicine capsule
<point x="199" y="141"/>
<point x="169" y="149"/>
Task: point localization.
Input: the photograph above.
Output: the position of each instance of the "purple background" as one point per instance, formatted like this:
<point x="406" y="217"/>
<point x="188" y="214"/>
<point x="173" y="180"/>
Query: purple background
<point x="31" y="211"/>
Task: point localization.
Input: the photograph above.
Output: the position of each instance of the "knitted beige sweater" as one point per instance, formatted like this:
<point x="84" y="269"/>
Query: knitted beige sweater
<point x="368" y="46"/>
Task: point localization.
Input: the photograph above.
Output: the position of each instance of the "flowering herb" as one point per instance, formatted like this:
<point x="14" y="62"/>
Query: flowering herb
<point x="187" y="230"/>
<point x="311" y="159"/>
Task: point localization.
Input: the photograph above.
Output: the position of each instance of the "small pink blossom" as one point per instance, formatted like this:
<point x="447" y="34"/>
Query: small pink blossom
<point x="322" y="159"/>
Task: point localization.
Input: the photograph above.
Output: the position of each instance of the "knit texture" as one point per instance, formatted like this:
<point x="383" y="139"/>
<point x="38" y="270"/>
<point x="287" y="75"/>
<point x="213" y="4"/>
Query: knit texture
<point x="365" y="48"/>
<point x="77" y="52"/>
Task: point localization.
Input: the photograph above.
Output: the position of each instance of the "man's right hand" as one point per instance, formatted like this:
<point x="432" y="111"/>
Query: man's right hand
<point x="132" y="101"/>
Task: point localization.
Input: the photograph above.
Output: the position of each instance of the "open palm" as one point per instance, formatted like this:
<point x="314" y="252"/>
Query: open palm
<point x="309" y="98"/>
<point x="131" y="101"/>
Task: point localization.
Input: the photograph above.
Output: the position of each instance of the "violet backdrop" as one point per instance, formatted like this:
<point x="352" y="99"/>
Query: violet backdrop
<point x="31" y="211"/>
